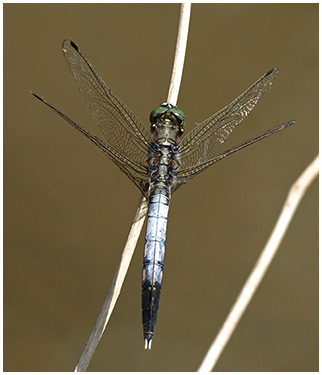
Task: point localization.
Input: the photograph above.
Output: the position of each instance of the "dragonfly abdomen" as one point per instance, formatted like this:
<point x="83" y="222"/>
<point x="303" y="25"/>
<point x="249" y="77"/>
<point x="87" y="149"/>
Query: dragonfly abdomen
<point x="162" y="173"/>
<point x="153" y="262"/>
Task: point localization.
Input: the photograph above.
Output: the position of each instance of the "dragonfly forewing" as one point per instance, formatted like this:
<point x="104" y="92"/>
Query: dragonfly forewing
<point x="122" y="129"/>
<point x="124" y="132"/>
<point x="203" y="142"/>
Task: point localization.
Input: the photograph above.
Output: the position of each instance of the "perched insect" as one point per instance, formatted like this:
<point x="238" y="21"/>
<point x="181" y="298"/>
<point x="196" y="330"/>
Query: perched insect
<point x="159" y="161"/>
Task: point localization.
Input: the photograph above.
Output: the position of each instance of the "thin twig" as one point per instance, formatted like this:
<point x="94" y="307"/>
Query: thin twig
<point x="179" y="54"/>
<point x="115" y="288"/>
<point x="138" y="221"/>
<point x="293" y="199"/>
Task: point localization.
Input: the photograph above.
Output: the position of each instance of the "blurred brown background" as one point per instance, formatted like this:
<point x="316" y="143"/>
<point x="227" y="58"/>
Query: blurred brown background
<point x="68" y="209"/>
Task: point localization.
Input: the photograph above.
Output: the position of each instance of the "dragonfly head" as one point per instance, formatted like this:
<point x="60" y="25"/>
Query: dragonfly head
<point x="167" y="117"/>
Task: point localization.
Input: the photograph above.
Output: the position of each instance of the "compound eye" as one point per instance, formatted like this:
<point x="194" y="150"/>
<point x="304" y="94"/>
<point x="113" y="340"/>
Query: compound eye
<point x="179" y="115"/>
<point x="157" y="113"/>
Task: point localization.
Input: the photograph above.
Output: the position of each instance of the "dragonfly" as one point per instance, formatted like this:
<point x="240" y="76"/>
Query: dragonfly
<point x="159" y="160"/>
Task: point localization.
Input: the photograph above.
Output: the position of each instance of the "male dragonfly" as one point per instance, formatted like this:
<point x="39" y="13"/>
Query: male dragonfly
<point x="160" y="161"/>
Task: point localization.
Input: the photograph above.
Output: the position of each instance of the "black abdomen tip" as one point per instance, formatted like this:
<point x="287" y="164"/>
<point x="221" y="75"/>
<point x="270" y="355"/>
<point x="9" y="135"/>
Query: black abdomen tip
<point x="269" y="72"/>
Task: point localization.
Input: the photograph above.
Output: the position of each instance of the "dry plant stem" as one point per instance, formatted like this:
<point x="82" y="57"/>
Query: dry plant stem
<point x="293" y="199"/>
<point x="179" y="54"/>
<point x="138" y="221"/>
<point x="115" y="288"/>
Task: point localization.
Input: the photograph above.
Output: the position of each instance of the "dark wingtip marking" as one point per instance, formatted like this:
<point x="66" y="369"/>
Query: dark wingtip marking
<point x="74" y="45"/>
<point x="269" y="72"/>
<point x="35" y="95"/>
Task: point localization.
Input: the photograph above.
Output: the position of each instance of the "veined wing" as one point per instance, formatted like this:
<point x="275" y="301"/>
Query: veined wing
<point x="135" y="171"/>
<point x="124" y="132"/>
<point x="185" y="175"/>
<point x="202" y="143"/>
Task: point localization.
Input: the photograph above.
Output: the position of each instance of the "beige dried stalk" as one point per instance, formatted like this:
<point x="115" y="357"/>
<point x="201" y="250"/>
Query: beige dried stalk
<point x="140" y="214"/>
<point x="294" y="197"/>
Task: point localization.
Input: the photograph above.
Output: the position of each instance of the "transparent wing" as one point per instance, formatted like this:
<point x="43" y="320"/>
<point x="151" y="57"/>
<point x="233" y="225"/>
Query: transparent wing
<point x="124" y="132"/>
<point x="185" y="175"/>
<point x="135" y="171"/>
<point x="203" y="142"/>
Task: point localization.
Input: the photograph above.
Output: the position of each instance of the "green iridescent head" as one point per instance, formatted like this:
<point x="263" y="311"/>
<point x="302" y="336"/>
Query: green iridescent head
<point x="166" y="107"/>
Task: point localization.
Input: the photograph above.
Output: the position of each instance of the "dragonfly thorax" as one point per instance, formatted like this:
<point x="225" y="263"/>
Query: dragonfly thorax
<point x="163" y="166"/>
<point x="167" y="124"/>
<point x="166" y="132"/>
